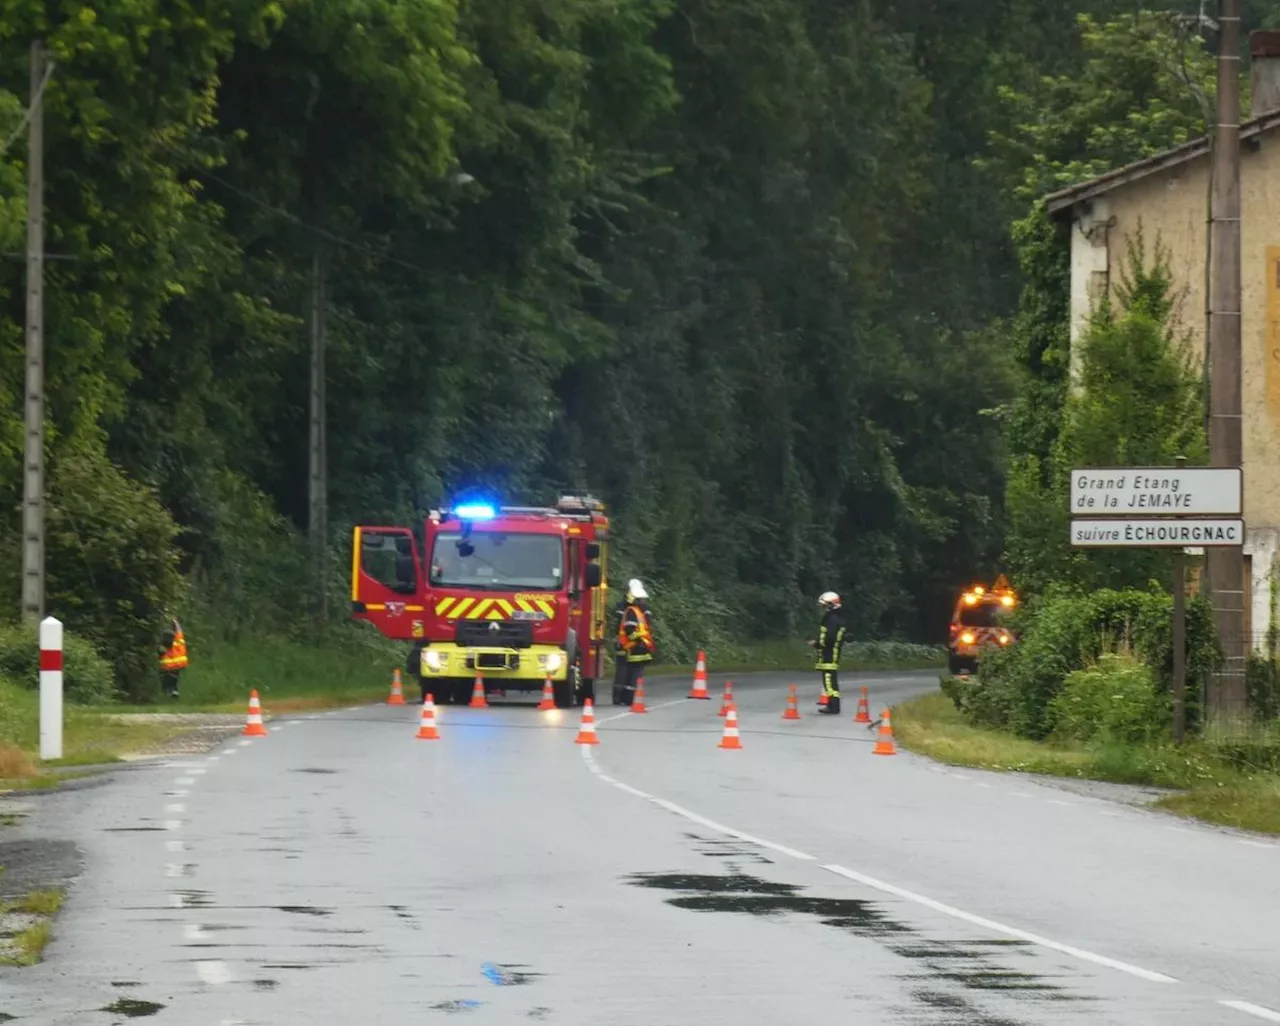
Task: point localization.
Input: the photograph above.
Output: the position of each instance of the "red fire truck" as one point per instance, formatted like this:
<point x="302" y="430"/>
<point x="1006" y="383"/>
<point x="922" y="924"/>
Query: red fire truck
<point x="978" y="623"/>
<point x="515" y="593"/>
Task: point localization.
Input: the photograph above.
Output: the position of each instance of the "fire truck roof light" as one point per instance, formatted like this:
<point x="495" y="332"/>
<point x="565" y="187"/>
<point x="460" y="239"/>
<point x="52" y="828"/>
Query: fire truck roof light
<point x="475" y="511"/>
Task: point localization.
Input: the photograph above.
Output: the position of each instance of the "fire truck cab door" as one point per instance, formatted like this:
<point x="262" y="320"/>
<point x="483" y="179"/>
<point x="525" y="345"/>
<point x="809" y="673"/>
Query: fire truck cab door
<point x="386" y="580"/>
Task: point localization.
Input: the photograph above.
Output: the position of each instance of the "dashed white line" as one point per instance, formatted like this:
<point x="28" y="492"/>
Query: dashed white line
<point x="193" y="932"/>
<point x="175" y="845"/>
<point x="1254" y="844"/>
<point x="173" y="870"/>
<point x="214" y="973"/>
<point x="1252" y="1009"/>
<point x="175" y="808"/>
<point x="629" y="713"/>
<point x="173" y="824"/>
<point x="989" y="924"/>
<point x="1056" y="801"/>
<point x="245" y="743"/>
<point x="185" y="780"/>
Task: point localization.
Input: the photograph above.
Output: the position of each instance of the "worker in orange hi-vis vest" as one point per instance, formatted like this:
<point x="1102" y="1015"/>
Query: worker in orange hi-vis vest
<point x="173" y="656"/>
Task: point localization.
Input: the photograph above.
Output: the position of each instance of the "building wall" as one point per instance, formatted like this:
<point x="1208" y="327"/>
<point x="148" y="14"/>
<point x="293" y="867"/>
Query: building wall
<point x="1172" y="206"/>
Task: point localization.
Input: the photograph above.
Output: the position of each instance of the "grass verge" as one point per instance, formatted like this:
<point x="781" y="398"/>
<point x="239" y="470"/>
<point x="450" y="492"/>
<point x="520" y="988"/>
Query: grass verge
<point x="1212" y="789"/>
<point x="26" y="945"/>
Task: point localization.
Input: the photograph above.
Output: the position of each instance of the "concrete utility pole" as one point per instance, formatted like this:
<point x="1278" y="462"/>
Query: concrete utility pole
<point x="318" y="526"/>
<point x="33" y="463"/>
<point x="1224" y="568"/>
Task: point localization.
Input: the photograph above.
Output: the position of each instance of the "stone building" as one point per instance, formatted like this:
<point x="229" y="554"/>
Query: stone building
<point x="1167" y="196"/>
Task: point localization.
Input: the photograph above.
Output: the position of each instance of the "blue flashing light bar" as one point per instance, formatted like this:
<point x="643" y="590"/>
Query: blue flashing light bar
<point x="475" y="511"/>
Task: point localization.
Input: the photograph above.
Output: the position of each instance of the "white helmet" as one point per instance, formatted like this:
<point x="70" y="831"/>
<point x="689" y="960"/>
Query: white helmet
<point x="635" y="590"/>
<point x="828" y="598"/>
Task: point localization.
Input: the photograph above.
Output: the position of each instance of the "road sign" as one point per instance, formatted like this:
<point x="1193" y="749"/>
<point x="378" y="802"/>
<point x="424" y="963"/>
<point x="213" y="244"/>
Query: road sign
<point x="1150" y="533"/>
<point x="1157" y="491"/>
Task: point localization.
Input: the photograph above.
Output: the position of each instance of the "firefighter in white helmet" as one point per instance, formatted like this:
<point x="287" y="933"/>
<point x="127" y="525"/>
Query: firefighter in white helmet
<point x="635" y="643"/>
<point x="829" y="642"/>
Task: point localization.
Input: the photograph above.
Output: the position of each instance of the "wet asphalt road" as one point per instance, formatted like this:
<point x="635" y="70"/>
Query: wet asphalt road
<point x="342" y="872"/>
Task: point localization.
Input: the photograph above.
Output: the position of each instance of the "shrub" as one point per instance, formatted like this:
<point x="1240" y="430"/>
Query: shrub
<point x="1064" y="632"/>
<point x="87" y="678"/>
<point x="1115" y="699"/>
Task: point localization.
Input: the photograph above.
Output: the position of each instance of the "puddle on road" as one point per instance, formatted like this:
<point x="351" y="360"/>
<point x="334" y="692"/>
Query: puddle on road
<point x="304" y="910"/>
<point x="508" y="975"/>
<point x="265" y="984"/>
<point x="728" y="848"/>
<point x="126" y="983"/>
<point x="962" y="964"/>
<point x="133" y="1009"/>
<point x="315" y="769"/>
<point x="132" y="830"/>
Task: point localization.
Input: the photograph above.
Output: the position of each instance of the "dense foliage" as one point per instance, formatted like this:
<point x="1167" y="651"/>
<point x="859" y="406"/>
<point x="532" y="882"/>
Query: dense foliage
<point x="737" y="265"/>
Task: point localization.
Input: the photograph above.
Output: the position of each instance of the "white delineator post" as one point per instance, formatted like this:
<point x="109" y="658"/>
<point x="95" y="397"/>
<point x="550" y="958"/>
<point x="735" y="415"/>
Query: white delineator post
<point x="50" y="688"/>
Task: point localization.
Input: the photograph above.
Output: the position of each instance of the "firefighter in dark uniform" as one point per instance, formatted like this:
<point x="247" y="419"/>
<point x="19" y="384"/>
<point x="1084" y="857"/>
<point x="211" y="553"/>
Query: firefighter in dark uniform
<point x="829" y="642"/>
<point x="635" y="643"/>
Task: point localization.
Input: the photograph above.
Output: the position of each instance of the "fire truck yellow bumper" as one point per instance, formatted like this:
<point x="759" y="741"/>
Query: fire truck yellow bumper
<point x="534" y="663"/>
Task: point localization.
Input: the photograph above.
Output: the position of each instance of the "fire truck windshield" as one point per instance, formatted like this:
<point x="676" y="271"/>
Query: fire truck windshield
<point x="498" y="561"/>
<point x="984" y="614"/>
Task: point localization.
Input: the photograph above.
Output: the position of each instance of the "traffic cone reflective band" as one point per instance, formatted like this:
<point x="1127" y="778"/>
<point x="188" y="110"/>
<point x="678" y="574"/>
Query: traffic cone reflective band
<point x="792" y="713"/>
<point x="864" y="715"/>
<point x="548" y="696"/>
<point x="884" y="744"/>
<point x="700" y="678"/>
<point x="731" y="738"/>
<point x="397" y="692"/>
<point x="477" y="694"/>
<point x="427" y="728"/>
<point x="637" y="704"/>
<point x="587" y="732"/>
<point x="727" y="702"/>
<point x="253" y="725"/>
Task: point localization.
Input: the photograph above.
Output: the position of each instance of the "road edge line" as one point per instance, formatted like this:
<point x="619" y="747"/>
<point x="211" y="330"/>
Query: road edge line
<point x="1252" y="1009"/>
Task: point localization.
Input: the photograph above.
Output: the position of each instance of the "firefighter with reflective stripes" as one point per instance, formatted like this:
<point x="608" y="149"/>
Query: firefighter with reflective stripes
<point x="829" y="642"/>
<point x="173" y="656"/>
<point x="635" y="643"/>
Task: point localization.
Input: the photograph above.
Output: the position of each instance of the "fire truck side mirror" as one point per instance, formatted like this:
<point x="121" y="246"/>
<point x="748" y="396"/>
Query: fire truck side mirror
<point x="594" y="575"/>
<point x="593" y="550"/>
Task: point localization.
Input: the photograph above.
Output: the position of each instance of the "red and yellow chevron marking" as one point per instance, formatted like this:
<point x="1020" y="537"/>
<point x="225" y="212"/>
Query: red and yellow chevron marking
<point x="492" y="608"/>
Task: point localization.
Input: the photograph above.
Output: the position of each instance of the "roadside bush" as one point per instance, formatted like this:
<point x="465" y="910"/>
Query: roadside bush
<point x="1116" y="699"/>
<point x="1262" y="679"/>
<point x="86" y="677"/>
<point x="1064" y="632"/>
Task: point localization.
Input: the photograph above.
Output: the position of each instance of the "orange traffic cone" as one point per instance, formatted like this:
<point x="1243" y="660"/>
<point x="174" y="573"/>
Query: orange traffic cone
<point x="427" y="727"/>
<point x="727" y="702"/>
<point x="587" y="732"/>
<point x="864" y="715"/>
<point x="637" y="704"/>
<point x="253" y="726"/>
<point x="884" y="745"/>
<point x="792" y="712"/>
<point x="548" y="696"/>
<point x="478" y="700"/>
<point x="822" y="700"/>
<point x="731" y="738"/>
<point x="397" y="692"/>
<point x="700" y="677"/>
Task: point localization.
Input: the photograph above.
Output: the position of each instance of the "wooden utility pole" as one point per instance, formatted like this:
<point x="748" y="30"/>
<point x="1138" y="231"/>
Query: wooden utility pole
<point x="33" y="463"/>
<point x="1179" y="640"/>
<point x="318" y="526"/>
<point x="1224" y="567"/>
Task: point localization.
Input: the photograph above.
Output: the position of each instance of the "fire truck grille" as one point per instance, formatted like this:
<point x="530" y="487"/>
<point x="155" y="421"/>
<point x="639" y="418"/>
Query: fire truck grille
<point x="481" y="633"/>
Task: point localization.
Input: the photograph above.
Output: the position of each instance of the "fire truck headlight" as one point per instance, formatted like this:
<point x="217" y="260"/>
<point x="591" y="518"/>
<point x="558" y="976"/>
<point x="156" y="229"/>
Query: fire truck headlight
<point x="968" y="637"/>
<point x="431" y="659"/>
<point x="551" y="663"/>
<point x="1004" y="639"/>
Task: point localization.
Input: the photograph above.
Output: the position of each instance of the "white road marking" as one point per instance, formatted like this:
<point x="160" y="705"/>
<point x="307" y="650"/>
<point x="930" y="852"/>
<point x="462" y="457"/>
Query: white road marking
<point x="193" y="932"/>
<point x="185" y="780"/>
<point x="989" y="924"/>
<point x="987" y="786"/>
<point x="1251" y="1009"/>
<point x="175" y="807"/>
<point x="1147" y="974"/>
<point x="212" y="758"/>
<point x="1253" y="844"/>
<point x="1055" y="801"/>
<point x="1021" y="794"/>
<point x="173" y="870"/>
<point x="175" y="901"/>
<point x="629" y="713"/>
<point x="246" y="742"/>
<point x="231" y="751"/>
<point x="175" y="845"/>
<point x="590" y="760"/>
<point x="173" y="824"/>
<point x="214" y="973"/>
